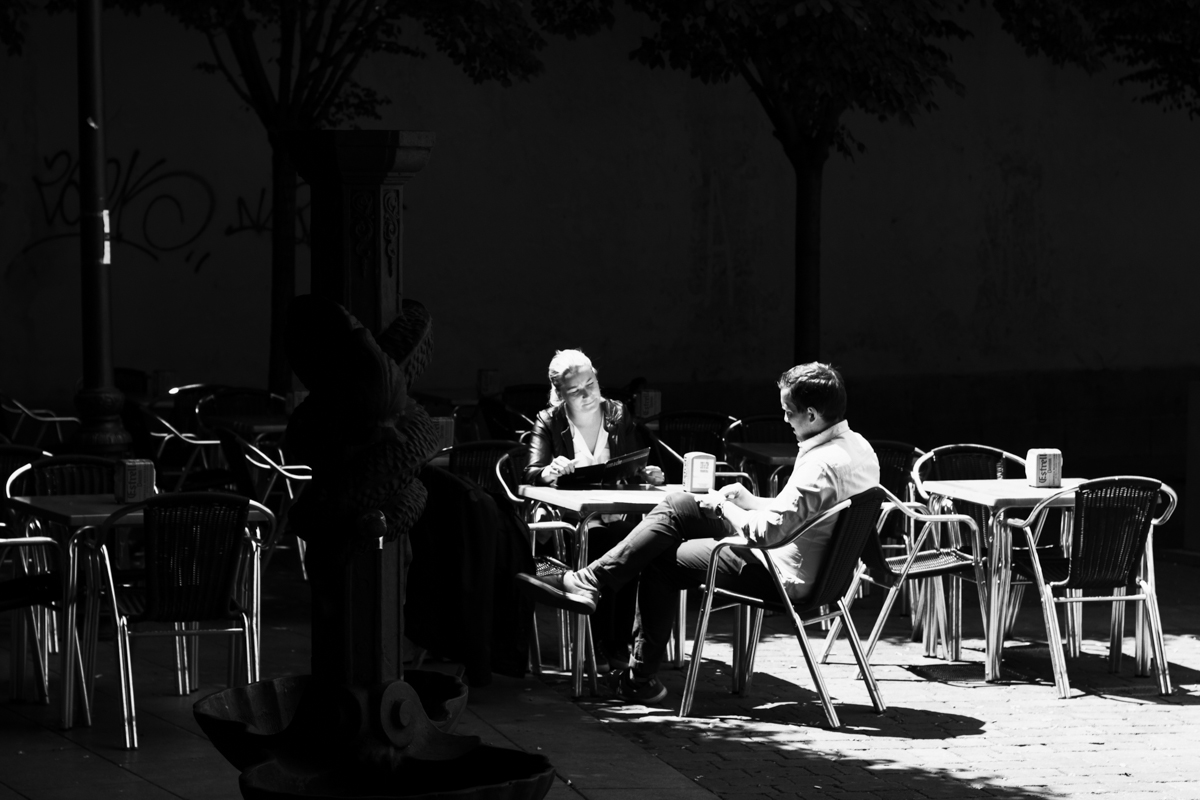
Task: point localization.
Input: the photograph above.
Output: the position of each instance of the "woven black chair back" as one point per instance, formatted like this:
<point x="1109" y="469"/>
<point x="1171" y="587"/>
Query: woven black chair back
<point x="15" y="456"/>
<point x="763" y="429"/>
<point x="512" y="469"/>
<point x="526" y="399"/>
<point x="685" y="432"/>
<point x="1112" y="521"/>
<point x="896" y="460"/>
<point x="195" y="545"/>
<point x="476" y="461"/>
<point x="70" y="474"/>
<point x="854" y="528"/>
<point x="970" y="462"/>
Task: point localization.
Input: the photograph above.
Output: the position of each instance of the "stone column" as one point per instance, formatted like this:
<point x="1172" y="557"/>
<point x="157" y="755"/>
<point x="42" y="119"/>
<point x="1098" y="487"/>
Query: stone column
<point x="356" y="181"/>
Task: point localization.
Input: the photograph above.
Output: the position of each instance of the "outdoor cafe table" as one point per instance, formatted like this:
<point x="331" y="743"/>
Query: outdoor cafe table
<point x="1000" y="496"/>
<point x="76" y="512"/>
<point x="588" y="504"/>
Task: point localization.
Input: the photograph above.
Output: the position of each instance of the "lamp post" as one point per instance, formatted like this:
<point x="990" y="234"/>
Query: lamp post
<point x="98" y="400"/>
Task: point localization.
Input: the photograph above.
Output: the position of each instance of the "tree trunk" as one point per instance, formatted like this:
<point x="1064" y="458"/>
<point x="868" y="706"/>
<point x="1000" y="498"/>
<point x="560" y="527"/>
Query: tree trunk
<point x="283" y="263"/>
<point x="809" y="165"/>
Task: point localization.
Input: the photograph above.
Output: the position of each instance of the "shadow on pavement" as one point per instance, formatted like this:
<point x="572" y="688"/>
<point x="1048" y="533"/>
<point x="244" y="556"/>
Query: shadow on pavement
<point x="775" y="740"/>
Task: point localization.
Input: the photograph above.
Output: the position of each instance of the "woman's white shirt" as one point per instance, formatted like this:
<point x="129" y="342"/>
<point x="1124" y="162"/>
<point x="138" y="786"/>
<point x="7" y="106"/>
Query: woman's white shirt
<point x="583" y="456"/>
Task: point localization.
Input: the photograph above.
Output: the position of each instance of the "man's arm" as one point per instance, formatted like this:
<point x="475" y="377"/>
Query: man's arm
<point x="743" y="498"/>
<point x="809" y="492"/>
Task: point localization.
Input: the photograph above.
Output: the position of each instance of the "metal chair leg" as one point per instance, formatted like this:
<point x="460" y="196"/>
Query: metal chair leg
<point x="751" y="649"/>
<point x="1116" y="633"/>
<point x="864" y="665"/>
<point x="693" y="672"/>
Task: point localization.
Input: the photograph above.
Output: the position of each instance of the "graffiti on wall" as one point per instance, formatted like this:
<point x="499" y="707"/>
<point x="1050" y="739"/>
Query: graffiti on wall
<point x="153" y="209"/>
<point x="256" y="218"/>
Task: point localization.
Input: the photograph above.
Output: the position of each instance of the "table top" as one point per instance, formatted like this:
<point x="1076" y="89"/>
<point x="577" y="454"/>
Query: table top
<point x="773" y="453"/>
<point x="77" y="510"/>
<point x="1001" y="493"/>
<point x="600" y="501"/>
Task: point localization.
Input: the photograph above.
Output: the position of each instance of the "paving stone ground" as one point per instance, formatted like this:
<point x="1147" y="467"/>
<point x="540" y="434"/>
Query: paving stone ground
<point x="946" y="733"/>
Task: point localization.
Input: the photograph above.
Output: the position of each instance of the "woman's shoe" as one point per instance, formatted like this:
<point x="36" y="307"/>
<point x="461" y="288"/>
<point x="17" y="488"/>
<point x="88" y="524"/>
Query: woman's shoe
<point x="555" y="585"/>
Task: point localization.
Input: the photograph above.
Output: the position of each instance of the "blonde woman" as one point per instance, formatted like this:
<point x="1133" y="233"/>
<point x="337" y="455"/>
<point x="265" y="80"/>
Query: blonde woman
<point x="581" y="427"/>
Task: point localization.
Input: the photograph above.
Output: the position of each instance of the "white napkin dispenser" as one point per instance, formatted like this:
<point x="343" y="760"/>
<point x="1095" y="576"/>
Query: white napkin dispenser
<point x="699" y="472"/>
<point x="135" y="480"/>
<point x="1043" y="468"/>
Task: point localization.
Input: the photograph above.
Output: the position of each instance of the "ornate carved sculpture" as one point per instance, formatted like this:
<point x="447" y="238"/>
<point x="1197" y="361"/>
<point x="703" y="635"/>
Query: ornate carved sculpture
<point x="356" y="728"/>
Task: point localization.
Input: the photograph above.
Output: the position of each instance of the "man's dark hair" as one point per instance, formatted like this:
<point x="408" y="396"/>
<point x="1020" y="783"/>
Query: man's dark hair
<point x="817" y="386"/>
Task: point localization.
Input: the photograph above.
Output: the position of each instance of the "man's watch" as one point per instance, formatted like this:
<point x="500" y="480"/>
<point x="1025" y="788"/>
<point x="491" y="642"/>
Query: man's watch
<point x="720" y="509"/>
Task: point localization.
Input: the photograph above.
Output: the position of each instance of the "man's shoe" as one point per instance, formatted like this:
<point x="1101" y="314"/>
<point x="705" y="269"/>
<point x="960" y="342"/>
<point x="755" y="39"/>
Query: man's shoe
<point x="644" y="692"/>
<point x="551" y="586"/>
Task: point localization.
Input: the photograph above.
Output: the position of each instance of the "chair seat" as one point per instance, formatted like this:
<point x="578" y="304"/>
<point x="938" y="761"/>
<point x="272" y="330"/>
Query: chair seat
<point x="929" y="563"/>
<point x="132" y="603"/>
<point x="1055" y="569"/>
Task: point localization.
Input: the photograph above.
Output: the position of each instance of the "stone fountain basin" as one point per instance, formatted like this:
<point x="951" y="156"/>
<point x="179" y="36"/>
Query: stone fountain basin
<point x="484" y="773"/>
<point x="242" y="721"/>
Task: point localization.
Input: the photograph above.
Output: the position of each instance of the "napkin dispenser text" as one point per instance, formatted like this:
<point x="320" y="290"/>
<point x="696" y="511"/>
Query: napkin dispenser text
<point x="135" y="480"/>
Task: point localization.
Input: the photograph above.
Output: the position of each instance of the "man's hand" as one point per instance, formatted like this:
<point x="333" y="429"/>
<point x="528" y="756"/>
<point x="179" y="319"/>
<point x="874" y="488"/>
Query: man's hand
<point x="708" y="502"/>
<point x="737" y="494"/>
<point x="561" y="465"/>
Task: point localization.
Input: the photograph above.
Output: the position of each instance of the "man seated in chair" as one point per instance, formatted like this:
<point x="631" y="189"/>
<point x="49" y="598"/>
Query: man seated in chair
<point x="670" y="548"/>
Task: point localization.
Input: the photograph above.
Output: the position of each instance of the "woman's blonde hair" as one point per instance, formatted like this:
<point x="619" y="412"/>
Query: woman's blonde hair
<point x="565" y="364"/>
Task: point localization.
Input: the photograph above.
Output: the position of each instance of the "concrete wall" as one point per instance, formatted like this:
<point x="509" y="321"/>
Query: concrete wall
<point x="1043" y="223"/>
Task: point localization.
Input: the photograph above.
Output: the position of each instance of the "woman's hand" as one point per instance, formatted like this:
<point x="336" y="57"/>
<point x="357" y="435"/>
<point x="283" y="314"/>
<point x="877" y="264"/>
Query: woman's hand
<point x="654" y="475"/>
<point x="561" y="465"/>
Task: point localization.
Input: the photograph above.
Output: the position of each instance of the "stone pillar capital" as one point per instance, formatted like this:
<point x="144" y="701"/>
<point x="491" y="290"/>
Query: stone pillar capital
<point x="356" y="181"/>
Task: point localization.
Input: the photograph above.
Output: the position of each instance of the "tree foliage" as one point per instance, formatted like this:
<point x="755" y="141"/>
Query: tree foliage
<point x="293" y="63"/>
<point x="1157" y="40"/>
<point x="810" y="62"/>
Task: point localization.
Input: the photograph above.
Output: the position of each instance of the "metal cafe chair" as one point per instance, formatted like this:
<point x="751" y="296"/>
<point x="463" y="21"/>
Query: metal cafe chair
<point x="274" y="483"/>
<point x="223" y="406"/>
<point x="961" y="462"/>
<point x="896" y="460"/>
<point x="42" y="418"/>
<point x="57" y="475"/>
<point x="198" y="552"/>
<point x="187" y="458"/>
<point x="1108" y="556"/>
<point x="765" y="428"/>
<point x="919" y="562"/>
<point x="509" y="468"/>
<point x="674" y="433"/>
<point x="856" y="520"/>
<point x="32" y="578"/>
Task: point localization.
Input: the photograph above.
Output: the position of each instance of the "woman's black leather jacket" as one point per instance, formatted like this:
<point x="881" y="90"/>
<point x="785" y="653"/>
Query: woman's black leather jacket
<point x="552" y="436"/>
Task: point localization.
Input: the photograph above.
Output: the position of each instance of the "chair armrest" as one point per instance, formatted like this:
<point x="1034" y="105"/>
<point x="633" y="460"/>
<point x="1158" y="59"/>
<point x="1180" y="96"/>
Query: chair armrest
<point x="788" y="539"/>
<point x="551" y="526"/>
<point x="29" y="541"/>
